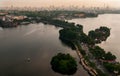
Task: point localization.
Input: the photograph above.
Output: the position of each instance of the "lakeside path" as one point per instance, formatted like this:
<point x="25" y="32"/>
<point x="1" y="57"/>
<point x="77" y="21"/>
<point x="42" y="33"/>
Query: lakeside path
<point x="83" y="62"/>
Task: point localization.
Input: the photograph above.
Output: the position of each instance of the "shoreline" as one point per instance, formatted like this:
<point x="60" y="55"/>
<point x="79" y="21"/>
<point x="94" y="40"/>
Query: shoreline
<point x="89" y="69"/>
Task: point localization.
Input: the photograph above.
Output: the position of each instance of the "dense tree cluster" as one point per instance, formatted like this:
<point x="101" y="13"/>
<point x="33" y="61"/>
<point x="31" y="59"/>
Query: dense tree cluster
<point x="99" y="53"/>
<point x="5" y="24"/>
<point x="53" y="13"/>
<point x="56" y="22"/>
<point x="68" y="35"/>
<point x="64" y="64"/>
<point x="112" y="67"/>
<point x="109" y="56"/>
<point x="108" y="59"/>
<point x="72" y="33"/>
<point x="75" y="34"/>
<point x="99" y="35"/>
<point x="86" y="39"/>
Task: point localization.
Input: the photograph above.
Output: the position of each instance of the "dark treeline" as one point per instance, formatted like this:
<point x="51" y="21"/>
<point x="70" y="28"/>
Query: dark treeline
<point x="43" y="16"/>
<point x="53" y="14"/>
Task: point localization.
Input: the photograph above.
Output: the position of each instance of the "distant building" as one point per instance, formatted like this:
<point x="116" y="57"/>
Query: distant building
<point x="12" y="17"/>
<point x="19" y="17"/>
<point x="3" y="13"/>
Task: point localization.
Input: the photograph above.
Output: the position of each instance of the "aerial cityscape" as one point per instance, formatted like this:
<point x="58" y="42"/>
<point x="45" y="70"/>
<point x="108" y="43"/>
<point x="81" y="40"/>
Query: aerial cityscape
<point x="59" y="38"/>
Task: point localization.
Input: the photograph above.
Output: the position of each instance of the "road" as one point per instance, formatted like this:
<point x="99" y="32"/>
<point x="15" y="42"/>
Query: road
<point x="83" y="62"/>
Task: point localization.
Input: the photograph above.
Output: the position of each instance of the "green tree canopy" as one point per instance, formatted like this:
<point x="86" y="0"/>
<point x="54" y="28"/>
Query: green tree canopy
<point x="98" y="52"/>
<point x="100" y="34"/>
<point x="64" y="64"/>
<point x="68" y="34"/>
<point x="109" y="56"/>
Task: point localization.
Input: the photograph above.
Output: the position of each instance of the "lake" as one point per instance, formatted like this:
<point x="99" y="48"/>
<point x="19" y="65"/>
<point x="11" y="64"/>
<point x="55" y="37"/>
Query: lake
<point x="38" y="42"/>
<point x="110" y="20"/>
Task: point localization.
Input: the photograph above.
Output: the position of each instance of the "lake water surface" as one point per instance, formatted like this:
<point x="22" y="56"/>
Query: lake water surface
<point x="38" y="42"/>
<point x="110" y="20"/>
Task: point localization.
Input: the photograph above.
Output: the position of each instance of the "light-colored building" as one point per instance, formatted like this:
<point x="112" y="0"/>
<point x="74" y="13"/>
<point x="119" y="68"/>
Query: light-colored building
<point x="3" y="13"/>
<point x="19" y="17"/>
<point x="13" y="17"/>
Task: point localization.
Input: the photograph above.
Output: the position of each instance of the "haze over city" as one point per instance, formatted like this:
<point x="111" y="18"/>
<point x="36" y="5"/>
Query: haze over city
<point x="65" y="3"/>
<point x="59" y="37"/>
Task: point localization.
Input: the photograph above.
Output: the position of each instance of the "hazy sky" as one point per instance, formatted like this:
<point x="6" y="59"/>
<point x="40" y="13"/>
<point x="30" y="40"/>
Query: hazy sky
<point x="40" y="3"/>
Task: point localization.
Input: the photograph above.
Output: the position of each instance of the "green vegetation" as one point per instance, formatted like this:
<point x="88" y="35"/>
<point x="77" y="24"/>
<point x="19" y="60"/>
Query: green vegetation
<point x="53" y="14"/>
<point x="108" y="59"/>
<point x="86" y="39"/>
<point x="64" y="64"/>
<point x="93" y="65"/>
<point x="68" y="34"/>
<point x="57" y="23"/>
<point x="54" y="17"/>
<point x="71" y="34"/>
<point x="99" y="53"/>
<point x="109" y="56"/>
<point x="100" y="73"/>
<point x="75" y="34"/>
<point x="112" y="67"/>
<point x="99" y="35"/>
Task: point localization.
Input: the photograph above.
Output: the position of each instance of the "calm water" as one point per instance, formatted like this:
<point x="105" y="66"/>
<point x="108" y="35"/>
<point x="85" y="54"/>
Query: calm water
<point x="38" y="42"/>
<point x="110" y="20"/>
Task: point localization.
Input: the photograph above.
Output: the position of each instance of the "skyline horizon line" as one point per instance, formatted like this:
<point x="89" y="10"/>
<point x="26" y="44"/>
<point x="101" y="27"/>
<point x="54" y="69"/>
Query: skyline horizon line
<point x="58" y="3"/>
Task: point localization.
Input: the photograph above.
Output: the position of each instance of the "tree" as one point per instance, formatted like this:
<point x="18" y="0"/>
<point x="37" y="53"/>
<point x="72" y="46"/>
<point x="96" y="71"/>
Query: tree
<point x="100" y="34"/>
<point x="68" y="34"/>
<point x="85" y="39"/>
<point x="64" y="64"/>
<point x="98" y="52"/>
<point x="109" y="56"/>
<point x="112" y="67"/>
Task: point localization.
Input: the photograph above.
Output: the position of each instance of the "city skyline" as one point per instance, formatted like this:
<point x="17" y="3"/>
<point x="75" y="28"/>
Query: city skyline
<point x="65" y="3"/>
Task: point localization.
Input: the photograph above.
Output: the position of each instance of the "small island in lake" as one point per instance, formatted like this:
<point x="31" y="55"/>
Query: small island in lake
<point x="64" y="64"/>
